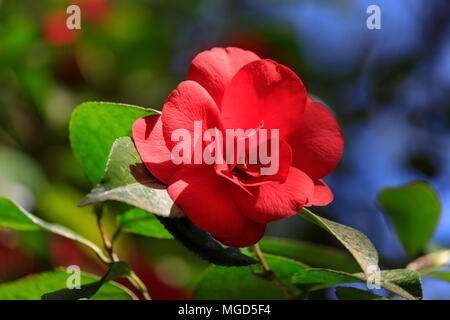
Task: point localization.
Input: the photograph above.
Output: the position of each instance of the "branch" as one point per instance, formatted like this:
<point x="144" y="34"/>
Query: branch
<point x="268" y="273"/>
<point x="133" y="279"/>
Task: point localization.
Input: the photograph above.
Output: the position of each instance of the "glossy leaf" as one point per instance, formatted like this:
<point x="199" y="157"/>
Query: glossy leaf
<point x="403" y="282"/>
<point x="349" y="293"/>
<point x="117" y="270"/>
<point x="95" y="126"/>
<point x="33" y="287"/>
<point x="406" y="283"/>
<point x="356" y="242"/>
<point x="143" y="223"/>
<point x="312" y="254"/>
<point x="316" y="279"/>
<point x="15" y="217"/>
<point x="127" y="180"/>
<point x="445" y="276"/>
<point x="224" y="283"/>
<point x="414" y="209"/>
<point x="201" y="243"/>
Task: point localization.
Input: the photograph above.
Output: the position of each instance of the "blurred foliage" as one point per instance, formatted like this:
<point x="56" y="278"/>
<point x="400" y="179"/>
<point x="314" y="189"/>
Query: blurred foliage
<point x="136" y="52"/>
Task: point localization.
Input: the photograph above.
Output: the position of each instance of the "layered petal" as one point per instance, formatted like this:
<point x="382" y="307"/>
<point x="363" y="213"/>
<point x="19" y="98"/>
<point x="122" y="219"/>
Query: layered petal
<point x="250" y="235"/>
<point x="187" y="114"/>
<point x="317" y="143"/>
<point x="264" y="90"/>
<point x="275" y="166"/>
<point x="206" y="199"/>
<point x="274" y="201"/>
<point x="151" y="146"/>
<point x="213" y="69"/>
<point x="322" y="194"/>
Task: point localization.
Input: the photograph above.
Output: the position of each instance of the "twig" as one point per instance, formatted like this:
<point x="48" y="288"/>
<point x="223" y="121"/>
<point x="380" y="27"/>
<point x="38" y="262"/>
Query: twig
<point x="105" y="239"/>
<point x="137" y="283"/>
<point x="268" y="273"/>
<point x="133" y="279"/>
<point x="115" y="236"/>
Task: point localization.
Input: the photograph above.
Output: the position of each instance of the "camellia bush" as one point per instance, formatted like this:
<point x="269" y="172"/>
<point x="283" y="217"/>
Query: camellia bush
<point x="219" y="209"/>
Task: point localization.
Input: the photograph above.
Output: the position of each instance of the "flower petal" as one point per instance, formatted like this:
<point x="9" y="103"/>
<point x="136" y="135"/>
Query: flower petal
<point x="214" y="69"/>
<point x="207" y="201"/>
<point x="274" y="201"/>
<point x="264" y="90"/>
<point x="322" y="194"/>
<point x="187" y="106"/>
<point x="318" y="143"/>
<point x="249" y="236"/>
<point x="276" y="170"/>
<point x="151" y="146"/>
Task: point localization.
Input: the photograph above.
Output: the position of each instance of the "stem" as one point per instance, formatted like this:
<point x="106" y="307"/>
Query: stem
<point x="137" y="283"/>
<point x="105" y="239"/>
<point x="115" y="236"/>
<point x="133" y="279"/>
<point x="268" y="273"/>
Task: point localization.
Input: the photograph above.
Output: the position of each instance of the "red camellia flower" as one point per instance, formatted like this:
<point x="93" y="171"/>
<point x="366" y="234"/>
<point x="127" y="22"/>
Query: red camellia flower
<point x="230" y="88"/>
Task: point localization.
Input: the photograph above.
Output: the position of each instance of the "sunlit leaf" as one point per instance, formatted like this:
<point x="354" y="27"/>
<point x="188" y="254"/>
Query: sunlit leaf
<point x="445" y="276"/>
<point x="349" y="293"/>
<point x="127" y="180"/>
<point x="33" y="287"/>
<point x="314" y="255"/>
<point x="12" y="217"/>
<point x="356" y="242"/>
<point x="15" y="217"/>
<point x="86" y="291"/>
<point x="143" y="223"/>
<point x="403" y="282"/>
<point x="414" y="209"/>
<point x="247" y="282"/>
<point x="406" y="283"/>
<point x="95" y="126"/>
<point x="315" y="279"/>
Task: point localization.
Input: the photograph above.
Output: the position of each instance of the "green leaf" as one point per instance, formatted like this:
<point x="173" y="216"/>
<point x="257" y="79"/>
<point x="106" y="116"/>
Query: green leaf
<point x="201" y="243"/>
<point x="12" y="217"/>
<point x="117" y="270"/>
<point x="349" y="293"/>
<point x="356" y="242"/>
<point x="34" y="286"/>
<point x="95" y="126"/>
<point x="403" y="282"/>
<point x="312" y="254"/>
<point x="406" y="283"/>
<point x="316" y="279"/>
<point x="222" y="283"/>
<point x="15" y="217"/>
<point x="127" y="180"/>
<point x="445" y="276"/>
<point x="414" y="209"/>
<point x="143" y="223"/>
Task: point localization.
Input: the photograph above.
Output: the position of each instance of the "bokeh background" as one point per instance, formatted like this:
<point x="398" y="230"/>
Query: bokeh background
<point x="388" y="88"/>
